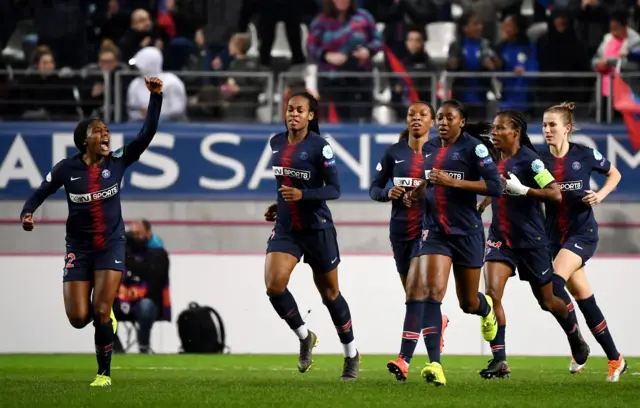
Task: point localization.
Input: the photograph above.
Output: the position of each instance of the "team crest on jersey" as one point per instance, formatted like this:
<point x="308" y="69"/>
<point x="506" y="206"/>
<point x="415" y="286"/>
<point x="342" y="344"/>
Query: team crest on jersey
<point x="597" y="155"/>
<point x="455" y="156"/>
<point x="537" y="166"/>
<point x="482" y="151"/>
<point x="576" y="165"/>
<point x="106" y="174"/>
<point x="327" y="152"/>
<point x="118" y="153"/>
<point x="514" y="169"/>
<point x="304" y="156"/>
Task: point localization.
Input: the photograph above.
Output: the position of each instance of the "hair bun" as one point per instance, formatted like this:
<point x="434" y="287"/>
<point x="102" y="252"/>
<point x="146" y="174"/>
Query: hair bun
<point x="570" y="106"/>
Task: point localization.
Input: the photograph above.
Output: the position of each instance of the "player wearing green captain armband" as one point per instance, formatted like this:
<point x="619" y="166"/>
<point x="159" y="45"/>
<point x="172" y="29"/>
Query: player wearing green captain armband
<point x="517" y="238"/>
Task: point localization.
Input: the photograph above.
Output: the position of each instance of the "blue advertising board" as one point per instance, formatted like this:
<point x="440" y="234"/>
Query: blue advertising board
<point x="232" y="161"/>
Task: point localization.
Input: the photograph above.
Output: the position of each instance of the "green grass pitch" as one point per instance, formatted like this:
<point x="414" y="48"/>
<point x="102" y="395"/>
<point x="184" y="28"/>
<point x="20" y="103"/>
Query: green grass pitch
<point x="261" y="380"/>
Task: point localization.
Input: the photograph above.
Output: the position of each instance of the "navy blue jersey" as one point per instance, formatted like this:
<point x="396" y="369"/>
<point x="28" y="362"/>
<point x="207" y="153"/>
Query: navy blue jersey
<point x="517" y="220"/>
<point x="451" y="210"/>
<point x="93" y="193"/>
<point x="309" y="166"/>
<point x="404" y="168"/>
<point x="572" y="217"/>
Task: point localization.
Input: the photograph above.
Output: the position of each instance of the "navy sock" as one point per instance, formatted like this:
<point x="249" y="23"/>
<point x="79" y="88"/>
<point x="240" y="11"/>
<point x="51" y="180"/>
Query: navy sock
<point x="341" y="318"/>
<point x="432" y="329"/>
<point x="498" y="345"/>
<point x="598" y="326"/>
<point x="104" y="345"/>
<point x="287" y="308"/>
<point x="484" y="309"/>
<point x="411" y="329"/>
<point x="570" y="324"/>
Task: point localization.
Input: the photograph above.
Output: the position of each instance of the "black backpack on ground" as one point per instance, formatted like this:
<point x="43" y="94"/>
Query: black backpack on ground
<point x="201" y="330"/>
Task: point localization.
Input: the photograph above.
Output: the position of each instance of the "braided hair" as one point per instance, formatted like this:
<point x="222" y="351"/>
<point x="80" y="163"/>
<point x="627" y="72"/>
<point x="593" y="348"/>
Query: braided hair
<point x="479" y="130"/>
<point x="314" y="125"/>
<point x="404" y="135"/>
<point x="520" y="123"/>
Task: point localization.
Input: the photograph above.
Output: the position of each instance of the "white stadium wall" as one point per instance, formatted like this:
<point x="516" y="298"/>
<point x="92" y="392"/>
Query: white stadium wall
<point x="33" y="318"/>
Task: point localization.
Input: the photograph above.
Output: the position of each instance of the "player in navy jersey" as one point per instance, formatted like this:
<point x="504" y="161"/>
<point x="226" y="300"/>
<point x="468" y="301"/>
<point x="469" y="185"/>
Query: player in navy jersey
<point x="517" y="239"/>
<point x="305" y="169"/>
<point x="572" y="227"/>
<point x="458" y="166"/>
<point x="403" y="165"/>
<point x="95" y="239"/>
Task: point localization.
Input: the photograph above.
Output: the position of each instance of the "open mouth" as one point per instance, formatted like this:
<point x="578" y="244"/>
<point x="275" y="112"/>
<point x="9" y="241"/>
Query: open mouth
<point x="416" y="125"/>
<point x="104" y="145"/>
<point x="294" y="122"/>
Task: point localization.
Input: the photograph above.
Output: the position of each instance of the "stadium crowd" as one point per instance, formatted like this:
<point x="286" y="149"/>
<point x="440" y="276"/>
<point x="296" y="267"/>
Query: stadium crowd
<point x="59" y="57"/>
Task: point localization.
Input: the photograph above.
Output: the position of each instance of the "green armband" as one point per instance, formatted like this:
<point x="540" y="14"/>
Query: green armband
<point x="543" y="178"/>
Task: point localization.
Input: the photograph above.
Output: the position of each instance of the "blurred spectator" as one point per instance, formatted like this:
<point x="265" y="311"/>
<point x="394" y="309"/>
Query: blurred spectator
<point x="222" y="20"/>
<point x="149" y="62"/>
<point x="270" y="12"/>
<point x="487" y="11"/>
<point x="472" y="53"/>
<point x="343" y="38"/>
<point x="60" y="25"/>
<point x="142" y="33"/>
<point x="416" y="60"/>
<point x="398" y="17"/>
<point x="593" y="19"/>
<point x="518" y="55"/>
<point x="45" y="94"/>
<point x="187" y="18"/>
<point x="561" y="50"/>
<point x="614" y="49"/>
<point x="93" y="92"/>
<point x="143" y="296"/>
<point x="241" y="93"/>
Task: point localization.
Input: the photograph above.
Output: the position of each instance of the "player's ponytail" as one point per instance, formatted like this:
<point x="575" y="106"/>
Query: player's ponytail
<point x="404" y="135"/>
<point x="314" y="124"/>
<point x="80" y="134"/>
<point x="479" y="130"/>
<point x="519" y="122"/>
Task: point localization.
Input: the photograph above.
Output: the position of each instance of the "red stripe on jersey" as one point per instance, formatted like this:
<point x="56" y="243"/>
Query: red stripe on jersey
<point x="294" y="210"/>
<point x="504" y="224"/>
<point x="441" y="197"/>
<point x="414" y="216"/>
<point x="563" y="208"/>
<point x="96" y="210"/>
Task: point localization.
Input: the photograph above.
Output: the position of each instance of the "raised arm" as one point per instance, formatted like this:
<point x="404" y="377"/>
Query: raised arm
<point x="132" y="151"/>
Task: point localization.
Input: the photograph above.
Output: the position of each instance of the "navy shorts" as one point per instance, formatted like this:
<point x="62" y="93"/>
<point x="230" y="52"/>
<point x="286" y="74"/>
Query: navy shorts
<point x="464" y="250"/>
<point x="79" y="264"/>
<point x="584" y="247"/>
<point x="318" y="247"/>
<point x="534" y="265"/>
<point x="403" y="252"/>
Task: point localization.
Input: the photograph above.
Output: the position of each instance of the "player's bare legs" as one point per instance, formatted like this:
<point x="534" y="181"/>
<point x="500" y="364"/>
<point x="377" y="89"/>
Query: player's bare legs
<point x="582" y="292"/>
<point x="329" y="290"/>
<point x="77" y="303"/>
<point x="278" y="267"/>
<point x="496" y="276"/>
<point x="106" y="283"/>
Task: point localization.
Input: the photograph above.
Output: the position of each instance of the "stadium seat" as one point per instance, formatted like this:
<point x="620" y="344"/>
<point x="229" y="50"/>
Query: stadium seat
<point x="440" y="35"/>
<point x="281" y="44"/>
<point x="253" y="51"/>
<point x="536" y="31"/>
